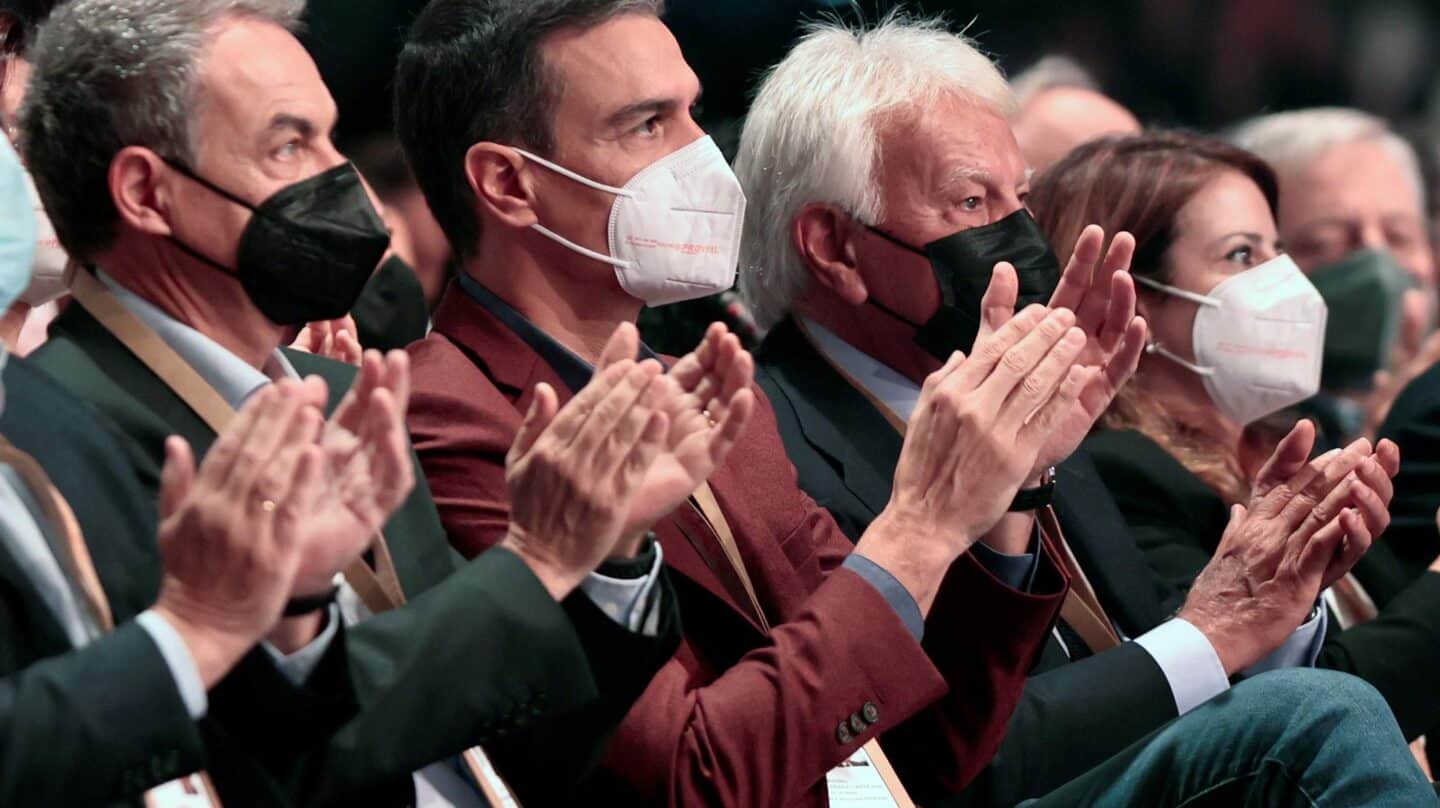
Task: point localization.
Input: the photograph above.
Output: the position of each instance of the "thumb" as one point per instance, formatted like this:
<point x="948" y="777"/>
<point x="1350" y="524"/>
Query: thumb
<point x="624" y="343"/>
<point x="542" y="411"/>
<point x="1288" y="458"/>
<point x="177" y="476"/>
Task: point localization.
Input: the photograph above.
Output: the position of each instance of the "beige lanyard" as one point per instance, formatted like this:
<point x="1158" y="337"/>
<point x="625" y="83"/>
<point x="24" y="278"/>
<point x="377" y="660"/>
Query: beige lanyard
<point x="378" y="588"/>
<point x="1081" y="608"/>
<point x="704" y="500"/>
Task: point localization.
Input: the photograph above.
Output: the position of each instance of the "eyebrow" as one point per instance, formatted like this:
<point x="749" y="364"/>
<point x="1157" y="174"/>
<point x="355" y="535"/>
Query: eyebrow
<point x="303" y="126"/>
<point x="649" y="106"/>
<point x="1248" y="236"/>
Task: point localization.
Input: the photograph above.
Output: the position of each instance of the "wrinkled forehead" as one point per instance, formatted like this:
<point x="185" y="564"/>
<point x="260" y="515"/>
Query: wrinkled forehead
<point x="953" y="141"/>
<point x="253" y="72"/>
<point x="1351" y="179"/>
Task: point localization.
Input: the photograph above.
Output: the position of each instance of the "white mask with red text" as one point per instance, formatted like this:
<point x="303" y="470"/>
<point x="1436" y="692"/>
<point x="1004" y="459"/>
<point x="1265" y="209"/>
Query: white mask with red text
<point x="674" y="227"/>
<point x="1258" y="339"/>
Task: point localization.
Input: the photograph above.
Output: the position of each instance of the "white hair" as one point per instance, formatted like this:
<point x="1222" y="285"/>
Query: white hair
<point x="1289" y="141"/>
<point x="1051" y="73"/>
<point x="811" y="134"/>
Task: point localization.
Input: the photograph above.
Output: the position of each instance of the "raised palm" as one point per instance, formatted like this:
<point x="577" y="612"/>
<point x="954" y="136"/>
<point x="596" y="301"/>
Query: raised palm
<point x="1102" y="295"/>
<point x="707" y="398"/>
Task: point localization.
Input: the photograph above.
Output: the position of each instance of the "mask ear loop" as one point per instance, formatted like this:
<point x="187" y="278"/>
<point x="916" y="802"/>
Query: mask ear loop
<point x="588" y="183"/>
<point x="1154" y="346"/>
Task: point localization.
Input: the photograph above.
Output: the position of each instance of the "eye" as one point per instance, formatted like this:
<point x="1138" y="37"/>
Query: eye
<point x="649" y="127"/>
<point x="697" y="110"/>
<point x="287" y="150"/>
<point x="971" y="203"/>
<point x="1242" y="254"/>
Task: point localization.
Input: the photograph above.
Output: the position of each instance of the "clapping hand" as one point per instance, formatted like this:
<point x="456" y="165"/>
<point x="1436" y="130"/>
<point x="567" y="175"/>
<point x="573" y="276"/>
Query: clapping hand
<point x="708" y="404"/>
<point x="1101" y="293"/>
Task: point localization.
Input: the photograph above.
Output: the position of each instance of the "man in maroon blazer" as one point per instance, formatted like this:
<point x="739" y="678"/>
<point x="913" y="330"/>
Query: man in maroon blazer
<point x="554" y="143"/>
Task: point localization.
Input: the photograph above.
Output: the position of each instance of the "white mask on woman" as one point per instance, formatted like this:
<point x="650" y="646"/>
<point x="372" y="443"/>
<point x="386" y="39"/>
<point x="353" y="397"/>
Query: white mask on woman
<point x="1258" y="339"/>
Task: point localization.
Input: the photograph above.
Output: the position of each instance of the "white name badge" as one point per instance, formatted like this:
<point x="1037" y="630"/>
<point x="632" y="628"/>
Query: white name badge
<point x="190" y="791"/>
<point x="860" y="783"/>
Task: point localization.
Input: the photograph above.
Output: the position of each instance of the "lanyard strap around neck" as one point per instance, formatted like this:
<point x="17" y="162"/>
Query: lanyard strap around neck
<point x="379" y="588"/>
<point x="74" y="553"/>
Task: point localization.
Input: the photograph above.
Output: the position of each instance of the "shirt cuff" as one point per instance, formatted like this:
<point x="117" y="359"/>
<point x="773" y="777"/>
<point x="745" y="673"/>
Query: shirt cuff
<point x="1299" y="651"/>
<point x="178" y="659"/>
<point x="1188" y="661"/>
<point x="1015" y="571"/>
<point x="298" y="666"/>
<point x="633" y="602"/>
<point x="892" y="590"/>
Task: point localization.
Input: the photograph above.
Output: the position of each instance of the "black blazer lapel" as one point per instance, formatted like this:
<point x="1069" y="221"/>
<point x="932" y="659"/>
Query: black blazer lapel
<point x="835" y="417"/>
<point x="1100" y="538"/>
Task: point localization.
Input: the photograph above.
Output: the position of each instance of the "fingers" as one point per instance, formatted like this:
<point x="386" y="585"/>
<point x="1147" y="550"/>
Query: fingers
<point x="1120" y="313"/>
<point x="624" y="343"/>
<point x="1387" y="454"/>
<point x="691" y="368"/>
<point x="998" y="304"/>
<point x="347" y="348"/>
<point x="1322" y="497"/>
<point x="267" y="435"/>
<point x="304" y="491"/>
<point x="215" y="469"/>
<point x="642" y="455"/>
<point x="1287" y="459"/>
<point x="177" y="475"/>
<point x="396" y="378"/>
<point x="1334" y="549"/>
<point x="391" y="472"/>
<point x="543" y="406"/>
<point x="608" y="414"/>
<point x="1020" y="361"/>
<point x="987" y="353"/>
<point x="731" y="426"/>
<point x="271" y="481"/>
<point x="1049" y="416"/>
<point x="1372" y="509"/>
<point x="1373" y="476"/>
<point x="1037" y="385"/>
<point x="1078" y="275"/>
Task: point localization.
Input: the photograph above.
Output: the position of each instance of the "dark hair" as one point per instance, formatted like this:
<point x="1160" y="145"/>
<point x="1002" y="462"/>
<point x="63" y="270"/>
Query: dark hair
<point x="1140" y="183"/>
<point x="471" y="71"/>
<point x="1137" y="183"/>
<point x="20" y="18"/>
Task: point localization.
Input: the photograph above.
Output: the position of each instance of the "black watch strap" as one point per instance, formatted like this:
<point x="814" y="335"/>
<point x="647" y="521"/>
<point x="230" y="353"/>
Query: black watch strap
<point x="1029" y="499"/>
<point x="312" y="603"/>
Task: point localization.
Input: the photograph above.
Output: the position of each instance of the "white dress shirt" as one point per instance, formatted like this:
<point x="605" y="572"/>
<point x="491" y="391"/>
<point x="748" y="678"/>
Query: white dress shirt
<point x="1184" y="654"/>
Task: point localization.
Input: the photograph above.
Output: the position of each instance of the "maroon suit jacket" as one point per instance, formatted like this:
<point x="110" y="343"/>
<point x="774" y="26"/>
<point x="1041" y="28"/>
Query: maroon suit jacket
<point x="739" y="718"/>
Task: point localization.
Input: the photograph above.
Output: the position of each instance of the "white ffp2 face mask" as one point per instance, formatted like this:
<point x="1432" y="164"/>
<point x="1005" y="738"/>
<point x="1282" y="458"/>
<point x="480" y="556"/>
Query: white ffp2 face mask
<point x="674" y="227"/>
<point x="1258" y="339"/>
<point x="47" y="277"/>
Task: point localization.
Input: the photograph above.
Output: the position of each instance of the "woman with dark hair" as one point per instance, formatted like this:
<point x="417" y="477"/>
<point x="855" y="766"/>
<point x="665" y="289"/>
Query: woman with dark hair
<point x="1236" y="335"/>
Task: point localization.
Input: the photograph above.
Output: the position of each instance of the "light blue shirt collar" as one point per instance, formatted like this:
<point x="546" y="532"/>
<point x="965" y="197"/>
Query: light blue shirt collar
<point x="887" y="386"/>
<point x="232" y="377"/>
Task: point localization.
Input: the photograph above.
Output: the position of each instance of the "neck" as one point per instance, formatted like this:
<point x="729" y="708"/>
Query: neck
<point x="873" y="333"/>
<point x="570" y="306"/>
<point x="1183" y="396"/>
<point x="202" y="297"/>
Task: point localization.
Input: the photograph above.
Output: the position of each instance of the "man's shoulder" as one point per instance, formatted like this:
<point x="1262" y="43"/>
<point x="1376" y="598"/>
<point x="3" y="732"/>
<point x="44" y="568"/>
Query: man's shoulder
<point x="1417" y="407"/>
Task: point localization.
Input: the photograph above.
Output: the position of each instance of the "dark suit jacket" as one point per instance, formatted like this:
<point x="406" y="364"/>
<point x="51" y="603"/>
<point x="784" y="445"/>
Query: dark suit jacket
<point x="101" y="724"/>
<point x="1414" y="424"/>
<point x="737" y="718"/>
<point x="1178" y="521"/>
<point x="538" y="685"/>
<point x="845" y="452"/>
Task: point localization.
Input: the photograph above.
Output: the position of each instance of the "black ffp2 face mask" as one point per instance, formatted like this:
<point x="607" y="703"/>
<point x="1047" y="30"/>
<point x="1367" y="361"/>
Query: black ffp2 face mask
<point x="963" y="263"/>
<point x="308" y="249"/>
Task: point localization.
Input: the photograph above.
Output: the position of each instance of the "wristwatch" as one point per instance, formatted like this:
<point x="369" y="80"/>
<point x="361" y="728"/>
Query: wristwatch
<point x="1029" y="499"/>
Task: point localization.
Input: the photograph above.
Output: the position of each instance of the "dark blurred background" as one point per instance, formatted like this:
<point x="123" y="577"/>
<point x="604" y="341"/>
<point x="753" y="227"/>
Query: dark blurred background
<point x="1193" y="63"/>
<point x="1199" y="63"/>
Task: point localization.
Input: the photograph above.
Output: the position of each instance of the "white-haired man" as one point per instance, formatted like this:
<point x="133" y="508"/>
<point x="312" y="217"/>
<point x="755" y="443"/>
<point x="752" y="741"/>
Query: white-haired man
<point x="1058" y="106"/>
<point x="1352" y="215"/>
<point x="884" y="183"/>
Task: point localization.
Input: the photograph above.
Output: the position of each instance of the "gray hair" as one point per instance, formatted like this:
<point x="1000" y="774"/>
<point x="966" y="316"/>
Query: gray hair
<point x="110" y="74"/>
<point x="1289" y="141"/>
<point x="1050" y="73"/>
<point x="811" y="134"/>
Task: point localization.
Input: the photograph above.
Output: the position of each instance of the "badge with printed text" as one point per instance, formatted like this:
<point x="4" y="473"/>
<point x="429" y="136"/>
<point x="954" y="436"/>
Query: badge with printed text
<point x="190" y="791"/>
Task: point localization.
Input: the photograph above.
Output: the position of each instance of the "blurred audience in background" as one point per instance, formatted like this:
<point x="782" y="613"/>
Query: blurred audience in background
<point x="1060" y="107"/>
